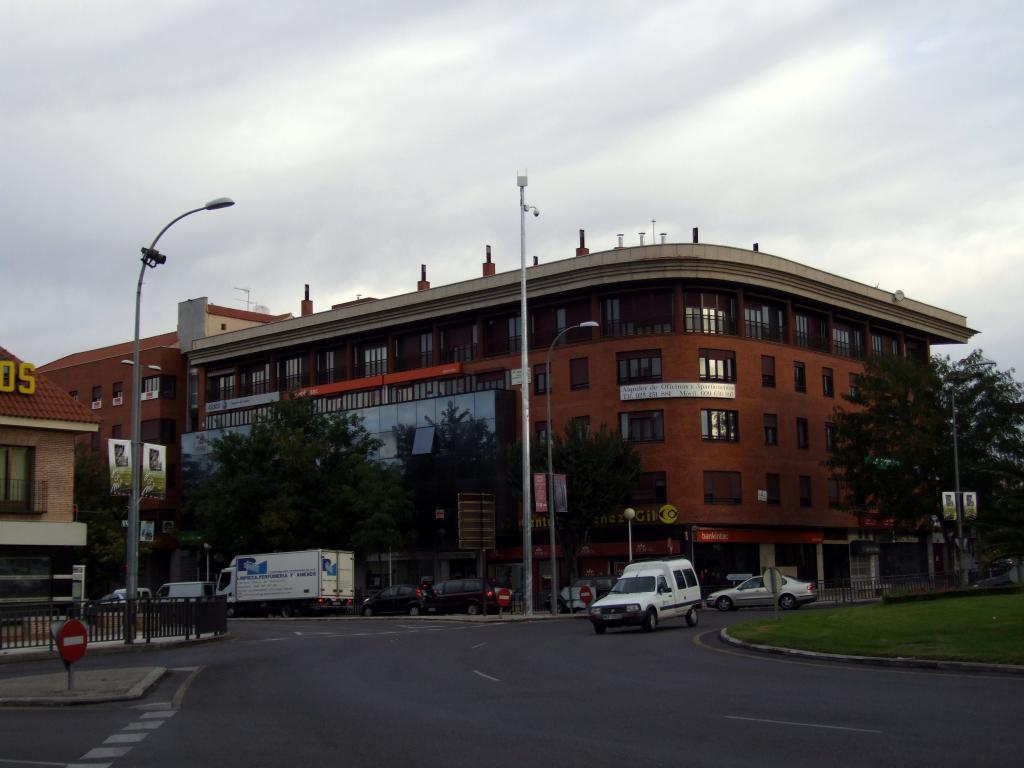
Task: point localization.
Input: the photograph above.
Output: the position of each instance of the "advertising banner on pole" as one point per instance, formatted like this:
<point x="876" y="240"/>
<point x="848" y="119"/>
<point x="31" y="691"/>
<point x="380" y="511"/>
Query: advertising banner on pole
<point x="970" y="505"/>
<point x="540" y="492"/>
<point x="154" y="471"/>
<point x="120" y="458"/>
<point x="948" y="505"/>
<point x="146" y="530"/>
<point x="561" y="495"/>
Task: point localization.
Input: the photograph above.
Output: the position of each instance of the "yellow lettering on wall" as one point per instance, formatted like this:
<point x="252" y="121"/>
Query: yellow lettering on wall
<point x="27" y="385"/>
<point x="6" y="375"/>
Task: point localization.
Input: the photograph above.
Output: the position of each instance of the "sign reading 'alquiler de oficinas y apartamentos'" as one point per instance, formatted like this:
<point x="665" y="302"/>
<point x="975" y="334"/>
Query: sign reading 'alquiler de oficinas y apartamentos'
<point x="17" y="377"/>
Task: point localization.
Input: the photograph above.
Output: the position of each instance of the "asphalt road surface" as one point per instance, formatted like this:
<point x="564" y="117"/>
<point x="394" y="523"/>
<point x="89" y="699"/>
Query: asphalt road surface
<point x="424" y="692"/>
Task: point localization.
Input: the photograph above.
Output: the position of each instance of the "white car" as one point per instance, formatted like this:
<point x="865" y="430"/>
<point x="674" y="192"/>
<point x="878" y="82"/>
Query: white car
<point x="647" y="593"/>
<point x="753" y="593"/>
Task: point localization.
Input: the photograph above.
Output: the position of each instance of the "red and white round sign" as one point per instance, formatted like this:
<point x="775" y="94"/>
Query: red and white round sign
<point x="504" y="597"/>
<point x="586" y="594"/>
<point x="72" y="640"/>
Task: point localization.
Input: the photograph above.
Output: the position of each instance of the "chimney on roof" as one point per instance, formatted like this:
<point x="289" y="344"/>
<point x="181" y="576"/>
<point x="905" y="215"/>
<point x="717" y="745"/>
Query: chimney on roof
<point x="488" y="265"/>
<point x="536" y="261"/>
<point x="582" y="250"/>
<point x="663" y="235"/>
<point x="641" y="237"/>
<point x="620" y="240"/>
<point x="423" y="285"/>
<point x="755" y="247"/>
<point x="307" y="305"/>
<point x="695" y="238"/>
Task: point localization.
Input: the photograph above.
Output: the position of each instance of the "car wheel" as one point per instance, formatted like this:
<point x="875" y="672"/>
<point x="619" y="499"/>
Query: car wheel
<point x="723" y="603"/>
<point x="286" y="612"/>
<point x="599" y="628"/>
<point x="414" y="610"/>
<point x="691" y="618"/>
<point x="473" y="609"/>
<point x="367" y="611"/>
<point x="787" y="602"/>
<point x="650" y="621"/>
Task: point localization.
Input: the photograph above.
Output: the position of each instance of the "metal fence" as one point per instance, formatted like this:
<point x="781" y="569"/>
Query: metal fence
<point x="28" y="626"/>
<point x="854" y="590"/>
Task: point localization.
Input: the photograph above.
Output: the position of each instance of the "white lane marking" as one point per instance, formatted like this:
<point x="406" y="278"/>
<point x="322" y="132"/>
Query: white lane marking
<point x="801" y="725"/>
<point x="488" y="677"/>
<point x="154" y="705"/>
<point x="478" y="645"/>
<point x="40" y="762"/>
<point x="77" y="765"/>
<point x="125" y="738"/>
<point x="103" y="752"/>
<point x="184" y="669"/>
<point x="149" y="725"/>
<point x="297" y="633"/>
<point x="162" y="715"/>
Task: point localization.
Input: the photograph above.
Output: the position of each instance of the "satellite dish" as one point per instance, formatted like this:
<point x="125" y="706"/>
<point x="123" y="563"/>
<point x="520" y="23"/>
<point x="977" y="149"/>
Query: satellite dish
<point x="898" y="297"/>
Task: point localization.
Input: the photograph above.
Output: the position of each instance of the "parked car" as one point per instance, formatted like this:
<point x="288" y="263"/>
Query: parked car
<point x="649" y="592"/>
<point x="400" y="599"/>
<point x="753" y="593"/>
<point x="1004" y="571"/>
<point x="569" y="597"/>
<point x="465" y="596"/>
<point x="119" y="595"/>
<point x="184" y="590"/>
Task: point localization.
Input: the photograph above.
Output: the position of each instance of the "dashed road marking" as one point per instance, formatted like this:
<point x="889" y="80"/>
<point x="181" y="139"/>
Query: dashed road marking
<point x="487" y="677"/>
<point x="101" y="753"/>
<point x="162" y="715"/>
<point x="478" y="645"/>
<point x="149" y="725"/>
<point x="125" y="738"/>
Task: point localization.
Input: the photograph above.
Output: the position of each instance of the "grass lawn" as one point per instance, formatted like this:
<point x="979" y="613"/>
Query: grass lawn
<point x="987" y="628"/>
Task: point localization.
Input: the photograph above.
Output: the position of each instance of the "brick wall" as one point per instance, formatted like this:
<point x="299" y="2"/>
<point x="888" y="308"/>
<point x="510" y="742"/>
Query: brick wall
<point x="53" y="462"/>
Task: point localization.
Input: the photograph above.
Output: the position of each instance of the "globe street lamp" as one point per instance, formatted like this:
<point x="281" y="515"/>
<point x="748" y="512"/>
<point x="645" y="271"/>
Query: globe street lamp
<point x="551" y="477"/>
<point x="629" y="513"/>
<point x="150" y="258"/>
<point x="524" y="390"/>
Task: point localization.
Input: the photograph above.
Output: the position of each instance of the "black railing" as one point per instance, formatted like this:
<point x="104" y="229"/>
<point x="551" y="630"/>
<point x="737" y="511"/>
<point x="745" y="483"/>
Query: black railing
<point x="460" y="353"/>
<point x="853" y="590"/>
<point x="28" y="625"/>
<point x="804" y="339"/>
<point x="638" y="327"/>
<point x="757" y="329"/>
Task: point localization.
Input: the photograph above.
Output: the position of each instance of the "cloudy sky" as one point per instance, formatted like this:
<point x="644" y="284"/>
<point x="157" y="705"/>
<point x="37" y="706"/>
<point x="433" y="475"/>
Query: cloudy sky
<point x="878" y="141"/>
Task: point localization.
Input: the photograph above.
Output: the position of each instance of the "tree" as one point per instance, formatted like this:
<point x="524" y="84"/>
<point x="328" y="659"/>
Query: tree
<point x="299" y="479"/>
<point x="601" y="470"/>
<point x="104" y="556"/>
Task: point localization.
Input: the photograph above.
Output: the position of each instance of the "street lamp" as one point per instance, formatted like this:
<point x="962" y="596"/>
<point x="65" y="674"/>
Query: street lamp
<point x="960" y="543"/>
<point x="524" y="390"/>
<point x="551" y="477"/>
<point x="629" y="513"/>
<point x="150" y="258"/>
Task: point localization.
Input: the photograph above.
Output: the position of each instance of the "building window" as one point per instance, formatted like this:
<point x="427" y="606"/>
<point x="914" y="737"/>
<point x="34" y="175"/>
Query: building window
<point x="854" y="386"/>
<point x="117" y="393"/>
<point x="830" y="437"/>
<point x="162" y="431"/>
<point x="884" y="345"/>
<point x="717" y="365"/>
<point x="799" y="377"/>
<point x="848" y="340"/>
<point x="458" y="342"/>
<point x="97" y="396"/>
<point x="115" y="431"/>
<point x="767" y="371"/>
<point x="709" y="312"/>
<point x="579" y="373"/>
<point x="581" y="424"/>
<point x="491" y="380"/>
<point x="722" y="487"/>
<point x="833" y="492"/>
<point x="219" y="386"/>
<point x="540" y="379"/>
<point x="772" y="486"/>
<point x="642" y="426"/>
<point x="771" y="429"/>
<point x="73" y="394"/>
<point x="650" y="489"/>
<point x="805" y="491"/>
<point x="639" y="366"/>
<point x="254" y="378"/>
<point x="763" y="321"/>
<point x="15" y="464"/>
<point x="802" y="436"/>
<point x="810" y="331"/>
<point x="827" y="383"/>
<point x="540" y="432"/>
<point x="636" y="314"/>
<point x="370" y="359"/>
<point x="720" y="425"/>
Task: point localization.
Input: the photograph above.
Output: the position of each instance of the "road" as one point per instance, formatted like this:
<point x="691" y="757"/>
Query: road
<point x="423" y="692"/>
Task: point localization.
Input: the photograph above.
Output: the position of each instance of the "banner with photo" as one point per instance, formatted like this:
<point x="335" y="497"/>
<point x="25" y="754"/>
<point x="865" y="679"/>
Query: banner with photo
<point x="154" y="471"/>
<point x="120" y="458"/>
<point x="948" y="505"/>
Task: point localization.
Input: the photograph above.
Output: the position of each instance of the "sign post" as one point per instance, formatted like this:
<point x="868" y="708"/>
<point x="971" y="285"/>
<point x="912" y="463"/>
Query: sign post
<point x="504" y="597"/>
<point x="773" y="580"/>
<point x="72" y="638"/>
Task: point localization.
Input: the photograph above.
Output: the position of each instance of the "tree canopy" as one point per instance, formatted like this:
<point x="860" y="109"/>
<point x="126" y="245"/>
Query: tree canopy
<point x="300" y="479"/>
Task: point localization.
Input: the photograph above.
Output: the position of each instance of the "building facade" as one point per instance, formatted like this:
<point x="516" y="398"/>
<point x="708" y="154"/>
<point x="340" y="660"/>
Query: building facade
<point x="38" y="530"/>
<point x="722" y="365"/>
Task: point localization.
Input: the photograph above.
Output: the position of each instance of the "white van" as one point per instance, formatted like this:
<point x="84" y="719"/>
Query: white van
<point x="649" y="592"/>
<point x="180" y="590"/>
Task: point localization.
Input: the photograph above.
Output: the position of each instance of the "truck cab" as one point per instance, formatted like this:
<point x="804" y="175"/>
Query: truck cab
<point x="647" y="593"/>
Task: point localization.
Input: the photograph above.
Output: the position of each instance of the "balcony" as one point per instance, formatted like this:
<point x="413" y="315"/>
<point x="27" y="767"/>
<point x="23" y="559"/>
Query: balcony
<point x="461" y="353"/>
<point x="639" y="327"/>
<point x="414" y="361"/>
<point x="810" y="341"/>
<point x="705" y="321"/>
<point x="755" y="329"/>
<point x="371" y="368"/>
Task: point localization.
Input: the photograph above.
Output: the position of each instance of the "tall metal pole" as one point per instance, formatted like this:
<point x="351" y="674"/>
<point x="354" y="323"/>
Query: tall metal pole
<point x="150" y="258"/>
<point x="551" y="475"/>
<point x="524" y="389"/>
<point x="956" y="495"/>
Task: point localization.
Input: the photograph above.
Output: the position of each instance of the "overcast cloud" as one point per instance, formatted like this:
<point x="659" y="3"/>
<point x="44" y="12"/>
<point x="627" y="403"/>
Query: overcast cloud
<point x="878" y="141"/>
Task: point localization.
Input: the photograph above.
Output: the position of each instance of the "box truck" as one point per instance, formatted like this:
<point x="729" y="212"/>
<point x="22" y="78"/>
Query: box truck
<point x="289" y="583"/>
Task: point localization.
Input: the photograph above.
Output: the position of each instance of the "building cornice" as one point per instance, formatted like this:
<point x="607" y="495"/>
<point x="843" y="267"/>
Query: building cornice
<point x="50" y="424"/>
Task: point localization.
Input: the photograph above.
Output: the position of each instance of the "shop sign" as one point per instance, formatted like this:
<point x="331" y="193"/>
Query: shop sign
<point x="17" y="377"/>
<point x="667" y="389"/>
<point x="242" y="402"/>
<point x="756" y="536"/>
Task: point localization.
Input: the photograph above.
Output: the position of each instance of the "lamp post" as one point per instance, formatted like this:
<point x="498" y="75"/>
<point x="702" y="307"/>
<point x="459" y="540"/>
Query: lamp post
<point x="629" y="513"/>
<point x="524" y="390"/>
<point x="150" y="258"/>
<point x="551" y="476"/>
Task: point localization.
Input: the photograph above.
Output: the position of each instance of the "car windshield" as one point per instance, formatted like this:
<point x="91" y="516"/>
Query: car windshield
<point x="631" y="585"/>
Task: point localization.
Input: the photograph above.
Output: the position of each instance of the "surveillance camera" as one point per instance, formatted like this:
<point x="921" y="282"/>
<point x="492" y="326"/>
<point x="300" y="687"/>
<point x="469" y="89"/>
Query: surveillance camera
<point x="536" y="212"/>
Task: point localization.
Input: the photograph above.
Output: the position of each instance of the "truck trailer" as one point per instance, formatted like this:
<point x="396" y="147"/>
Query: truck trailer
<point x="289" y="583"/>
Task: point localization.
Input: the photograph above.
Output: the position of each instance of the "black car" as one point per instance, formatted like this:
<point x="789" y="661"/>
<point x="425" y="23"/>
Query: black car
<point x="400" y="599"/>
<point x="465" y="596"/>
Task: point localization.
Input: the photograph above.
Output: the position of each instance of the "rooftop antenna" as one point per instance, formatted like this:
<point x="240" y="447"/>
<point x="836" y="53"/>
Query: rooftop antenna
<point x="247" y="292"/>
<point x="653" y="230"/>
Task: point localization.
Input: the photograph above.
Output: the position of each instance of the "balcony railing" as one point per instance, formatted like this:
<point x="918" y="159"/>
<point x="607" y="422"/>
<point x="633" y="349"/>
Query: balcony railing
<point x="29" y="497"/>
<point x="804" y="339"/>
<point x="220" y="393"/>
<point x="248" y="389"/>
<point x="292" y="382"/>
<point x="639" y="327"/>
<point x="372" y="368"/>
<point x="755" y="329"/>
<point x="698" y="321"/>
<point x="460" y="353"/>
<point x="414" y="361"/>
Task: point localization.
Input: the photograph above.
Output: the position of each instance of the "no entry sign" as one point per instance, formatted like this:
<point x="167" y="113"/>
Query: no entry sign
<point x="504" y="597"/>
<point x="72" y="638"/>
<point x="586" y="594"/>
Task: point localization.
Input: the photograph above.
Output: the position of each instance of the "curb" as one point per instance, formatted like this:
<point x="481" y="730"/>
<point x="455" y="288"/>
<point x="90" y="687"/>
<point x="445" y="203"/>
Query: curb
<point x="878" y="661"/>
<point x="137" y="691"/>
<point x="15" y="655"/>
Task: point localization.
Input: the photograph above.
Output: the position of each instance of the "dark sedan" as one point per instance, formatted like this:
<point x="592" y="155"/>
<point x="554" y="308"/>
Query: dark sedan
<point x="407" y="599"/>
